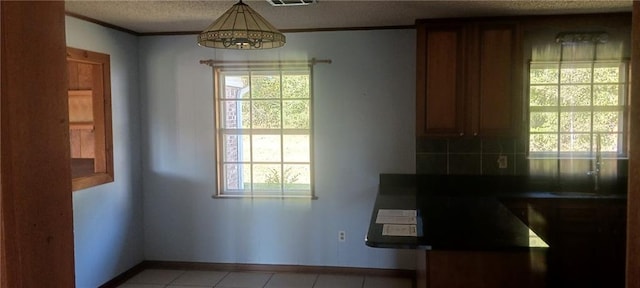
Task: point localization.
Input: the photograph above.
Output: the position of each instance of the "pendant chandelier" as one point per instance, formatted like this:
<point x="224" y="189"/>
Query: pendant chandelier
<point x="241" y="28"/>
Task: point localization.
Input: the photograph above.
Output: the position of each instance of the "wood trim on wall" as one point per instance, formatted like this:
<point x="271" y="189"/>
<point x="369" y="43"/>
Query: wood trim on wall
<point x="100" y="84"/>
<point x="633" y="193"/>
<point x="171" y="33"/>
<point x="3" y="264"/>
<point x="37" y="214"/>
<point x="584" y="19"/>
<point x="240" y="267"/>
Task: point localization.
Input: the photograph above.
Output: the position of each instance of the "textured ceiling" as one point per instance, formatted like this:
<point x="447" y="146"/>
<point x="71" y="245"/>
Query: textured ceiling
<point x="188" y="16"/>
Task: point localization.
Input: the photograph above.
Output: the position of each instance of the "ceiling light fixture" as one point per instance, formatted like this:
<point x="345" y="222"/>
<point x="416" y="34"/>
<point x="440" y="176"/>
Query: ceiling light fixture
<point x="241" y="28"/>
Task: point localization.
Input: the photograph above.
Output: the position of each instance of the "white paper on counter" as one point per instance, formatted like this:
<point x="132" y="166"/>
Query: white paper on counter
<point x="393" y="216"/>
<point x="399" y="230"/>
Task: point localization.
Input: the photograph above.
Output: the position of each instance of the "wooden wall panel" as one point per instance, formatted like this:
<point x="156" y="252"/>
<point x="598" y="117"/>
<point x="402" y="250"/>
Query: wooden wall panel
<point x="633" y="193"/>
<point x="80" y="75"/>
<point x="37" y="216"/>
<point x="99" y="115"/>
<point x="87" y="142"/>
<point x="72" y="73"/>
<point x="74" y="140"/>
<point x="80" y="106"/>
<point x="85" y="75"/>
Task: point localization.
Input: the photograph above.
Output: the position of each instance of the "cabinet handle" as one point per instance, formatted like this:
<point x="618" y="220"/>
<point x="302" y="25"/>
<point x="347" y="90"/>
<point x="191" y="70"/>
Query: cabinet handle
<point x="461" y="133"/>
<point x="475" y="133"/>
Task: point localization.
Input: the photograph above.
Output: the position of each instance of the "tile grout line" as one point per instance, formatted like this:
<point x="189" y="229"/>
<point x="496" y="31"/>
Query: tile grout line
<point x="267" y="283"/>
<point x="220" y="280"/>
<point x="315" y="280"/>
<point x="174" y="279"/>
<point x="223" y="277"/>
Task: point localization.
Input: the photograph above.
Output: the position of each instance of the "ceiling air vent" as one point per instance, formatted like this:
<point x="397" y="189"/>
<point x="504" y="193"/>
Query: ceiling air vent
<point x="291" y="2"/>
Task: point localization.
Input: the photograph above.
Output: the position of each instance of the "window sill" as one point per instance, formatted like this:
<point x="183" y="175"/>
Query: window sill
<point x="296" y="197"/>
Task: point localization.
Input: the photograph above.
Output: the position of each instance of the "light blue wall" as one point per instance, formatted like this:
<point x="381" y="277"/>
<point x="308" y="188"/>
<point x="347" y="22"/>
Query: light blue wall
<point x="108" y="218"/>
<point x="364" y="126"/>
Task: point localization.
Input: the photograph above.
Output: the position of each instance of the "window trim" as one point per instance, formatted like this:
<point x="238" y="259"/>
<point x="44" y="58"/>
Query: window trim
<point x="623" y="109"/>
<point x="220" y="67"/>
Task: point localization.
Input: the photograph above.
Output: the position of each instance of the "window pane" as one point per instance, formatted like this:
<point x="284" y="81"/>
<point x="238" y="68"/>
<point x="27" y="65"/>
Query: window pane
<point x="266" y="114"/>
<point x="608" y="142"/>
<point x="575" y="75"/>
<point x="267" y="177"/>
<point x="575" y="143"/>
<point x="543" y="96"/>
<point x="266" y="148"/>
<point x="606" y="95"/>
<point x="606" y="75"/>
<point x="235" y="114"/>
<point x="296" y="148"/>
<point x="265" y="86"/>
<point x="237" y="148"/>
<point x="245" y="116"/>
<point x="237" y="177"/>
<point x="543" y="122"/>
<point x="591" y="99"/>
<point x="543" y="75"/>
<point x="295" y="86"/>
<point x="575" y="95"/>
<point x="296" y="114"/>
<point x="543" y="143"/>
<point x="575" y="121"/>
<point x="297" y="178"/>
<point x="606" y="122"/>
<point x="235" y="87"/>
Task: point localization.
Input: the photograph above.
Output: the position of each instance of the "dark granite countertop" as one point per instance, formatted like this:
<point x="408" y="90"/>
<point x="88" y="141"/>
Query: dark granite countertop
<point x="374" y="236"/>
<point x="564" y="195"/>
<point x="451" y="222"/>
<point x="463" y="212"/>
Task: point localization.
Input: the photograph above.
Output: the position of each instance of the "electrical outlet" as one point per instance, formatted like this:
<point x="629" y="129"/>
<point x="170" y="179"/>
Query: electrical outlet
<point x="502" y="162"/>
<point x="342" y="236"/>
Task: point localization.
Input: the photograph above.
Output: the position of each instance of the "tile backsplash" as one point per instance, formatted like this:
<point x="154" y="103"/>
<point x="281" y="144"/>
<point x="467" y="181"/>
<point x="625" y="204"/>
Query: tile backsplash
<point x="471" y="156"/>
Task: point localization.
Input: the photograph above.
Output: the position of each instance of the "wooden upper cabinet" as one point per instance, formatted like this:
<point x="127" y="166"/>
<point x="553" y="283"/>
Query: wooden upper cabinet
<point x="440" y="76"/>
<point x="497" y="98"/>
<point x="468" y="79"/>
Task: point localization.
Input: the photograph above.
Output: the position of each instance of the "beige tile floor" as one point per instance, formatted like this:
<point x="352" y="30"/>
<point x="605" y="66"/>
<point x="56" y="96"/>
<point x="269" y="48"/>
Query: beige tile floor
<point x="159" y="278"/>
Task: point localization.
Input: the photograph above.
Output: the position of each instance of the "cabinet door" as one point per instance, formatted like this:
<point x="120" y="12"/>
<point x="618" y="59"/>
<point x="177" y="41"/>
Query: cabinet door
<point x="612" y="251"/>
<point x="440" y="76"/>
<point x="494" y="81"/>
<point x="588" y="246"/>
<point x="483" y="269"/>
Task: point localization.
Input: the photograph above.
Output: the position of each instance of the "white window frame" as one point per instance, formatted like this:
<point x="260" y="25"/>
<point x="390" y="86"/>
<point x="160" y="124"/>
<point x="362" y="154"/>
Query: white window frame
<point x="622" y="109"/>
<point x="223" y="190"/>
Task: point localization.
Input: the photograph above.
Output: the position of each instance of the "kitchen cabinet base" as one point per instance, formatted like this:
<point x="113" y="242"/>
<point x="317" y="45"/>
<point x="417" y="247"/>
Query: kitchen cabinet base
<point x="480" y="269"/>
